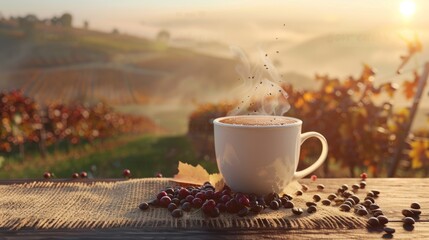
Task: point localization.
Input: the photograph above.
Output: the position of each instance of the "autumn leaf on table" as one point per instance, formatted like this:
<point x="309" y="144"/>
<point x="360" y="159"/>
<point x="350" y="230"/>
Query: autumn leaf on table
<point x="197" y="175"/>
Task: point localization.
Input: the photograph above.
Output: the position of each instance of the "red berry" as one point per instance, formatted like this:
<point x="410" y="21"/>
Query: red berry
<point x="47" y="175"/>
<point x="200" y="195"/>
<point x="75" y="175"/>
<point x="209" y="194"/>
<point x="225" y="198"/>
<point x="189" y="198"/>
<point x="164" y="201"/>
<point x="83" y="175"/>
<point x="363" y="176"/>
<point x="208" y="206"/>
<point x="197" y="202"/>
<point x="244" y="201"/>
<point x="217" y="195"/>
<point x="158" y="175"/>
<point x="183" y="193"/>
<point x="161" y="194"/>
<point x="126" y="173"/>
<point x="313" y="178"/>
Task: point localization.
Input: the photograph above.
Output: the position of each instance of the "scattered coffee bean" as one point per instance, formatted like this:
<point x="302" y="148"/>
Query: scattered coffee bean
<point x="326" y="202"/>
<point x="186" y="206"/>
<point x="375" y="192"/>
<point x="144" y="206"/>
<point x="309" y="204"/>
<point x="373" y="206"/>
<point x="269" y="197"/>
<point x="389" y="230"/>
<point x="345" y="207"/>
<point x="257" y="209"/>
<point x="348" y="203"/>
<point x="243" y="212"/>
<point x="297" y="211"/>
<point x="351" y="201"/>
<point x="317" y="198"/>
<point x="311" y="209"/>
<point x="176" y="201"/>
<point x="274" y="205"/>
<point x="304" y="187"/>
<point x="358" y="206"/>
<point x="171" y="207"/>
<point x="408" y="221"/>
<point x="288" y="204"/>
<point x="332" y="196"/>
<point x="362" y="212"/>
<point x="373" y="222"/>
<point x="370" y="199"/>
<point x="320" y="187"/>
<point x="339" y="201"/>
<point x="367" y="203"/>
<point x="345" y="187"/>
<point x="416" y="212"/>
<point x="177" y="213"/>
<point x="383" y="220"/>
<point x="415" y="205"/>
<point x="340" y="191"/>
<point x="298" y="193"/>
<point x="362" y="184"/>
<point x="355" y="187"/>
<point x="355" y="198"/>
<point x="347" y="194"/>
<point x="288" y="196"/>
<point x="370" y="194"/>
<point x="283" y="201"/>
<point x="408" y="213"/>
<point x="377" y="213"/>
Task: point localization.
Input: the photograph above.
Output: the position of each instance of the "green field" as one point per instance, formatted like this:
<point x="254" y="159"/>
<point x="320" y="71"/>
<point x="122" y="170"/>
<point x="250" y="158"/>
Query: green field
<point x="143" y="155"/>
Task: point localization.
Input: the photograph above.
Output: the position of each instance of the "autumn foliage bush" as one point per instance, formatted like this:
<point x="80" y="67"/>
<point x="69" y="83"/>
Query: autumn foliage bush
<point x="25" y="123"/>
<point x="362" y="131"/>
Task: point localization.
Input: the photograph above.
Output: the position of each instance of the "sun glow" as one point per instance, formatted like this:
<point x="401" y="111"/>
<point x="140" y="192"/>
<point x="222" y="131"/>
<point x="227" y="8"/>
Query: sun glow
<point x="407" y="8"/>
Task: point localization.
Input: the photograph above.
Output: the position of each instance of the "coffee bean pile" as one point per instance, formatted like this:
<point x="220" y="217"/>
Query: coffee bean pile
<point x="212" y="203"/>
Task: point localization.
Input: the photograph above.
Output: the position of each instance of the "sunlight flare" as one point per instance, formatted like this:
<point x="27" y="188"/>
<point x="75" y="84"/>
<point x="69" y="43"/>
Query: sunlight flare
<point x="407" y="8"/>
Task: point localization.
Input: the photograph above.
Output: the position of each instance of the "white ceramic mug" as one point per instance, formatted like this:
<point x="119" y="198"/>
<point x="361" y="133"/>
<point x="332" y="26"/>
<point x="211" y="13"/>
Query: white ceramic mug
<point x="262" y="158"/>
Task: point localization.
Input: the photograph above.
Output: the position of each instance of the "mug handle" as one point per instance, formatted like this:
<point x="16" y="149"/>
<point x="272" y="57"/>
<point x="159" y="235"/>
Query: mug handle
<point x="322" y="158"/>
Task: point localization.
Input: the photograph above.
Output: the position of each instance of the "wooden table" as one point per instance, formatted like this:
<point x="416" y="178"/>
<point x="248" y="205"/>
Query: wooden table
<point x="396" y="194"/>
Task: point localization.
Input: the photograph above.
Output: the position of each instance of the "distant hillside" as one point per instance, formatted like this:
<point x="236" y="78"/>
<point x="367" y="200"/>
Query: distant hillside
<point x="68" y="64"/>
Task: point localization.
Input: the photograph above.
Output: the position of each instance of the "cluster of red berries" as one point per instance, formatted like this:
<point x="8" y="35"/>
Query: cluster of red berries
<point x="212" y="203"/>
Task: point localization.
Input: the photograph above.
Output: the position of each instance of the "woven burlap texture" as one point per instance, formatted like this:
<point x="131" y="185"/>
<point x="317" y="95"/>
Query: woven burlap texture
<point x="77" y="205"/>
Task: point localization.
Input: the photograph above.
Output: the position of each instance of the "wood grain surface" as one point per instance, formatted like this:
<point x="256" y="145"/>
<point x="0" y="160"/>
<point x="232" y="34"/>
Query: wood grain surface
<point x="396" y="194"/>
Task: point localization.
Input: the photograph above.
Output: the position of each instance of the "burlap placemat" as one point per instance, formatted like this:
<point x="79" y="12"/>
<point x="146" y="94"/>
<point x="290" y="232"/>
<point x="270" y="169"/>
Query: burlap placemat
<point x="77" y="205"/>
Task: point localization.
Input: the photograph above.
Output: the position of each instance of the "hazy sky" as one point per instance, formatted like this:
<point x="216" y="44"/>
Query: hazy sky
<point x="230" y="21"/>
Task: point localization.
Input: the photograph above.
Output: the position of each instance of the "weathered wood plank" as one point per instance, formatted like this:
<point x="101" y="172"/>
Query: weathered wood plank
<point x="420" y="231"/>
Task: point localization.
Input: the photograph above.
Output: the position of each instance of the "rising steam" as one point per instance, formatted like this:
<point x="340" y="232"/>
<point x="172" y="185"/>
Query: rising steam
<point x="260" y="92"/>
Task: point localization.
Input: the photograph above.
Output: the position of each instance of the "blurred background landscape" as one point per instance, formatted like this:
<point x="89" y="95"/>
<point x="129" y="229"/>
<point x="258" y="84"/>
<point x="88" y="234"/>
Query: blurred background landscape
<point x="103" y="86"/>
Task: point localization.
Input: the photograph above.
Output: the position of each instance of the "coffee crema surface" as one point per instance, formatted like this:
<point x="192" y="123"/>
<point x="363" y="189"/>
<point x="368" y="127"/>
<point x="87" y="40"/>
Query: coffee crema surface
<point x="258" y="121"/>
